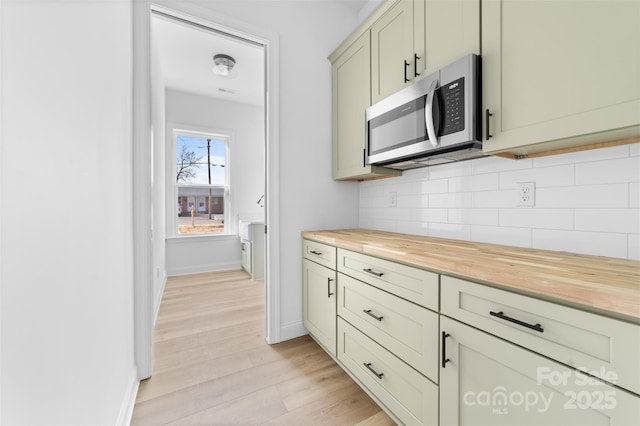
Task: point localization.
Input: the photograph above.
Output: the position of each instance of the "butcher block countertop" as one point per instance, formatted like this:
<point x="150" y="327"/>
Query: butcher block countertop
<point x="601" y="284"/>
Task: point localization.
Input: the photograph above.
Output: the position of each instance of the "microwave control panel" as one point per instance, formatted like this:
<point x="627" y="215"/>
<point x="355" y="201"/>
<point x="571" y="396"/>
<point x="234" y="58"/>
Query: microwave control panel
<point x="452" y="98"/>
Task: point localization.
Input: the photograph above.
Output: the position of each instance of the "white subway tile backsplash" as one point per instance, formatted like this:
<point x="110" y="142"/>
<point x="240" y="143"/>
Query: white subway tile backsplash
<point x="626" y="221"/>
<point x="520" y="237"/>
<point x="586" y="196"/>
<point x="474" y="216"/>
<point x="434" y="215"/>
<point x="462" y="168"/>
<point x="544" y="177"/>
<point x="456" y="199"/>
<point x="586" y="202"/>
<point x="594" y="243"/>
<point x="609" y="171"/>
<point x="537" y="218"/>
<point x="634" y="246"/>
<point x="634" y="195"/>
<point x="453" y="231"/>
<point x="436" y="186"/>
<point x="494" y="199"/>
<point x="484" y="182"/>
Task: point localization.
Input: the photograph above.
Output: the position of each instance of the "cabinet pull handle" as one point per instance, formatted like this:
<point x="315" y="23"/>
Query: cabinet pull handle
<point x="487" y="114"/>
<point x="372" y="272"/>
<point x="317" y="253"/>
<point x="406" y="64"/>
<point x="501" y="315"/>
<point x="329" y="294"/>
<point x="445" y="360"/>
<point x="415" y="65"/>
<point x="368" y="365"/>
<point x="368" y="312"/>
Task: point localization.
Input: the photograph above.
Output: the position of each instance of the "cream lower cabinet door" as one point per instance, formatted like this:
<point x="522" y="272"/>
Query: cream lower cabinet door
<point x="320" y="304"/>
<point x="487" y="381"/>
<point x="559" y="74"/>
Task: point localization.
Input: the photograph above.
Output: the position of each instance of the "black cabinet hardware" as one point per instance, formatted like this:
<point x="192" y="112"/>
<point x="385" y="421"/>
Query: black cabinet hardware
<point x="372" y="272"/>
<point x="317" y="253"/>
<point x="415" y="65"/>
<point x="445" y="360"/>
<point x="329" y="294"/>
<point x="501" y="315"/>
<point x="406" y="64"/>
<point x="368" y="365"/>
<point x="487" y="114"/>
<point x="368" y="312"/>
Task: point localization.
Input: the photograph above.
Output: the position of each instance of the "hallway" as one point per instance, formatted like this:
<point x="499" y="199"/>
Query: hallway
<point x="212" y="365"/>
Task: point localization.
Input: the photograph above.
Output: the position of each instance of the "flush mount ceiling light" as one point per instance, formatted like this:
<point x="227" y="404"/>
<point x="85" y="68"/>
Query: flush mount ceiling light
<point x="223" y="64"/>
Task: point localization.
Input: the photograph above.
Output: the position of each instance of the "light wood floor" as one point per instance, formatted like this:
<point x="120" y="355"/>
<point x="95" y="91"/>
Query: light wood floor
<point x="212" y="365"/>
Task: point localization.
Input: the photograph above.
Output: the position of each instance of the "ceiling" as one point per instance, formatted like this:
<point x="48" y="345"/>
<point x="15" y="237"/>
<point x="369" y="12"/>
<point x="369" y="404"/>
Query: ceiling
<point x="185" y="53"/>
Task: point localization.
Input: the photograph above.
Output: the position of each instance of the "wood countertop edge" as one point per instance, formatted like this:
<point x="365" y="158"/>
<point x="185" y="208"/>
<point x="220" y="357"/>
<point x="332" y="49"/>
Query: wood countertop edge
<point x="618" y="297"/>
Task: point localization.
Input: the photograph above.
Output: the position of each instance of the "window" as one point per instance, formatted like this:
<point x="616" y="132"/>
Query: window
<point x="201" y="183"/>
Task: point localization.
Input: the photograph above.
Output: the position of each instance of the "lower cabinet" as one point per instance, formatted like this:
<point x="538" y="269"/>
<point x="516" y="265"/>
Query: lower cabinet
<point x="409" y="395"/>
<point x="320" y="304"/>
<point x="485" y="380"/>
<point x="433" y="349"/>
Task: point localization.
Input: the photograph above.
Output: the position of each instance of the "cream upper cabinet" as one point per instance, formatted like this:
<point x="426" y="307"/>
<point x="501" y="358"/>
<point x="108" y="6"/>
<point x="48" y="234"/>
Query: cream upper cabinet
<point x="451" y="30"/>
<point x="351" y="96"/>
<point x="394" y="58"/>
<point x="559" y="74"/>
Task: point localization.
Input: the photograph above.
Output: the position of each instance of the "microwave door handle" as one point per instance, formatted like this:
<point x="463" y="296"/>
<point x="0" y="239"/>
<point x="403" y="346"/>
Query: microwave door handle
<point x="428" y="114"/>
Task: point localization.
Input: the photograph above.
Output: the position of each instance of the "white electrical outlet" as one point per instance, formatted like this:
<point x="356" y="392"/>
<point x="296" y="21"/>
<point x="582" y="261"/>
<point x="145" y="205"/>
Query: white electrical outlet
<point x="526" y="193"/>
<point x="393" y="199"/>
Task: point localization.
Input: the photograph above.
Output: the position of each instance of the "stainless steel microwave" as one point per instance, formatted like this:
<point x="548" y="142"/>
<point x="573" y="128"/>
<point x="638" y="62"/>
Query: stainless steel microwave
<point x="435" y="120"/>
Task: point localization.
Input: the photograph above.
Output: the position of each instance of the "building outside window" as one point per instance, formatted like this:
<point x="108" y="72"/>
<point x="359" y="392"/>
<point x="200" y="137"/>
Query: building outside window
<point x="201" y="182"/>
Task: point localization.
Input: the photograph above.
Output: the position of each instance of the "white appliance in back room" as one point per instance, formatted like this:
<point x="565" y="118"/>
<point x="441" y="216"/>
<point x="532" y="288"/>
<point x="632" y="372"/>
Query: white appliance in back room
<point x="251" y="234"/>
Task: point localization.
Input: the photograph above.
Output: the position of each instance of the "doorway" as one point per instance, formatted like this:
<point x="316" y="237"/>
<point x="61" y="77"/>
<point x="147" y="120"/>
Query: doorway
<point x="150" y="214"/>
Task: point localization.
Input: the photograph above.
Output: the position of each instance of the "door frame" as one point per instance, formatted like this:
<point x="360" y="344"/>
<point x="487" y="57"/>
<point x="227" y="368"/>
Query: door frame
<point x="141" y="164"/>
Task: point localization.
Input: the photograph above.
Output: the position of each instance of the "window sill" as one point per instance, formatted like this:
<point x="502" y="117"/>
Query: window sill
<point x="201" y="237"/>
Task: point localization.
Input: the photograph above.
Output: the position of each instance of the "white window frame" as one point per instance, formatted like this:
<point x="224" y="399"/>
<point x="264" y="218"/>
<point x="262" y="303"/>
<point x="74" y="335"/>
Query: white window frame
<point x="172" y="186"/>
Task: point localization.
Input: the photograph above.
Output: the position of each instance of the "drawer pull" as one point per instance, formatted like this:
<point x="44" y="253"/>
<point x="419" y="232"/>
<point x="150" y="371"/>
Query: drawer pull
<point x="368" y="365"/>
<point x="368" y="312"/>
<point x="501" y="315"/>
<point x="372" y="272"/>
<point x="329" y="294"/>
<point x="445" y="360"/>
<point x="317" y="253"/>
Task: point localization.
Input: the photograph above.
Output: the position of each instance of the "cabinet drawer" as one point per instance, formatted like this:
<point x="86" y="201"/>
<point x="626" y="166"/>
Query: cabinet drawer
<point x="320" y="253"/>
<point x="410" y="396"/>
<point x="410" y="283"/>
<point x="605" y="347"/>
<point x="408" y="331"/>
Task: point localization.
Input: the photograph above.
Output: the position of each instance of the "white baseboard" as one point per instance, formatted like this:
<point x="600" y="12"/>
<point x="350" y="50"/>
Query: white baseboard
<point x="292" y="330"/>
<point x="158" y="298"/>
<point x="198" y="269"/>
<point x="129" y="400"/>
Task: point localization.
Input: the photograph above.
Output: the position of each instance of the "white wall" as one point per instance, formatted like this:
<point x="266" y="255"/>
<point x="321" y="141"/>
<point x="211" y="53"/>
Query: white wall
<point x="309" y="198"/>
<point x="586" y="202"/>
<point x="66" y="284"/>
<point x="245" y="124"/>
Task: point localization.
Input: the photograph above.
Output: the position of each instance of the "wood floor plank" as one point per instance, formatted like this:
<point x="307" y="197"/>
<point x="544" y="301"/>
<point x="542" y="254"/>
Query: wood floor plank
<point x="212" y="365"/>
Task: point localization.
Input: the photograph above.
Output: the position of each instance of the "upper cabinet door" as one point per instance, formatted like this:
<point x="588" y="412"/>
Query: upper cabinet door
<point x="351" y="96"/>
<point x="392" y="53"/>
<point x="559" y="74"/>
<point x="451" y="31"/>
